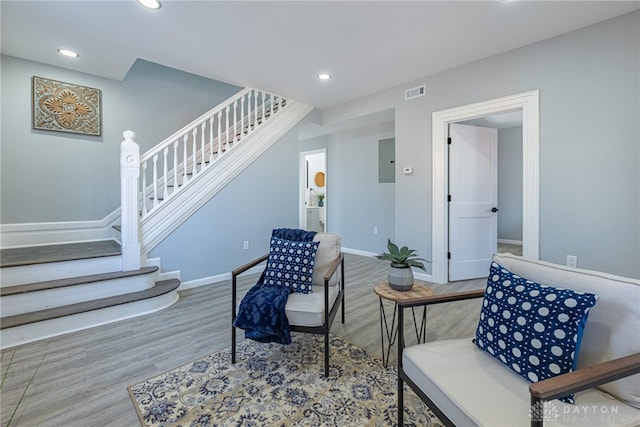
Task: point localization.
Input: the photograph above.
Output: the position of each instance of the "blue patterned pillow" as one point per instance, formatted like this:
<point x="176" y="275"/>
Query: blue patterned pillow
<point x="534" y="329"/>
<point x="290" y="264"/>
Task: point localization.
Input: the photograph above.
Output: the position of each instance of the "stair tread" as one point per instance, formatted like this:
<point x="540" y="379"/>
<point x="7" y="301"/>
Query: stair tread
<point x="160" y="288"/>
<point x="14" y="257"/>
<point x="71" y="281"/>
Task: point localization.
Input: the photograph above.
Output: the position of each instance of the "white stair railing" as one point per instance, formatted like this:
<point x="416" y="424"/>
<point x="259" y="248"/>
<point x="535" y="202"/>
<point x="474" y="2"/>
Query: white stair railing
<point x="167" y="167"/>
<point x="149" y="180"/>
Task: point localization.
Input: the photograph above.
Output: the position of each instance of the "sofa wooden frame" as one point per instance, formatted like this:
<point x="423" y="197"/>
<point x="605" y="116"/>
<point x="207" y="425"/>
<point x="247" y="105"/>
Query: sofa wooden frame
<point x="544" y="390"/>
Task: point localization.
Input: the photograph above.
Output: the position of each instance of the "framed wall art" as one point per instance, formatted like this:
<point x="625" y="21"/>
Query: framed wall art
<point x="66" y="107"/>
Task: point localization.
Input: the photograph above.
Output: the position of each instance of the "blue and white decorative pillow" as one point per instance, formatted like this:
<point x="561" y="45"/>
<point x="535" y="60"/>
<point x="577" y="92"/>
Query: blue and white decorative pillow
<point x="290" y="264"/>
<point x="533" y="329"/>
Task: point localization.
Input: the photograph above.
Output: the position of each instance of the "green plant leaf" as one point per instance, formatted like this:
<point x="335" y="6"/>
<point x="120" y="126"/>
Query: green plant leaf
<point x="402" y="257"/>
<point x="393" y="248"/>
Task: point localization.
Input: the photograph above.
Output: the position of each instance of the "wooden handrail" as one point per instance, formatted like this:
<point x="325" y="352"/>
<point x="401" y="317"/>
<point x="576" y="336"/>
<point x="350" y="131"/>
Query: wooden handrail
<point x="438" y="299"/>
<point x="585" y="378"/>
<point x="249" y="265"/>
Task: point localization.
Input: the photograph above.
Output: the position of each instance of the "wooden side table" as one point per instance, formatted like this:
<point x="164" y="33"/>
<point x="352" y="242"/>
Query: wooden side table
<point x="391" y="331"/>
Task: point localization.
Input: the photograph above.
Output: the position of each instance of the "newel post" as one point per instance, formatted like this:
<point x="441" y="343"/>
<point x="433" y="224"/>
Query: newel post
<point x="129" y="174"/>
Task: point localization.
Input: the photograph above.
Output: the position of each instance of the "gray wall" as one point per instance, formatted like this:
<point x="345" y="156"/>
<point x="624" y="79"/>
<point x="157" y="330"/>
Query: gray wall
<point x="510" y="183"/>
<point x="589" y="140"/>
<point x="357" y="202"/>
<point x="52" y="176"/>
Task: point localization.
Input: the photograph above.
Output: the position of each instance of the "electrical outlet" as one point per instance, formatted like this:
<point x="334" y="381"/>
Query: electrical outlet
<point x="375" y="230"/>
<point x="246" y="245"/>
<point x="572" y="261"/>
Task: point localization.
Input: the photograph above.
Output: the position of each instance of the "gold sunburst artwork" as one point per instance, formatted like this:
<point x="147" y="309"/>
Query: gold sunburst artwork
<point x="66" y="107"/>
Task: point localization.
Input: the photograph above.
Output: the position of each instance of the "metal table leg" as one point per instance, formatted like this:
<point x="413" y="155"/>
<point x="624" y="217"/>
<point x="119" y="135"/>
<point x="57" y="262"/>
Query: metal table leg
<point x="391" y="331"/>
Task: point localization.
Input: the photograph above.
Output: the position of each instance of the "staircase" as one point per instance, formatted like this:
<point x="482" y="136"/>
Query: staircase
<point x="51" y="294"/>
<point x="54" y="289"/>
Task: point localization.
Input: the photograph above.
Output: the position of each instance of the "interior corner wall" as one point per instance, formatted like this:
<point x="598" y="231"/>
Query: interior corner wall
<point x="55" y="177"/>
<point x="510" y="183"/>
<point x="356" y="201"/>
<point x="589" y="83"/>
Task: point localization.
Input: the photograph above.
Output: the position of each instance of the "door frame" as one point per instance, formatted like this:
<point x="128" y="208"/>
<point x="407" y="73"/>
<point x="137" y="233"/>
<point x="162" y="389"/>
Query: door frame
<point x="302" y="213"/>
<point x="529" y="103"/>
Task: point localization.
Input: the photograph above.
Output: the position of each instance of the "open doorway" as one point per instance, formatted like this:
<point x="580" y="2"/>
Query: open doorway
<point x="313" y="190"/>
<point x="528" y="103"/>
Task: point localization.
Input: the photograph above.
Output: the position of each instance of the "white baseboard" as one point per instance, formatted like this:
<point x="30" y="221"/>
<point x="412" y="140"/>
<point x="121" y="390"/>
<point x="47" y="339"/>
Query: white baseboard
<point x="423" y="276"/>
<point x="205" y="281"/>
<point x="53" y="233"/>
<point x="510" y="242"/>
<point x="358" y="252"/>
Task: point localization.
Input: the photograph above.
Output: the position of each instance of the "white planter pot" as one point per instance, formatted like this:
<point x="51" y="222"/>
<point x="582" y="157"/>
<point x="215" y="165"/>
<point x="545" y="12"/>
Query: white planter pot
<point x="400" y="278"/>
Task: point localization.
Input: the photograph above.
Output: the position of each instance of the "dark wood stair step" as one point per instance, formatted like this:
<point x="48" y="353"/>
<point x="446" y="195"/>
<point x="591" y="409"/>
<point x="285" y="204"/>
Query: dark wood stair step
<point x="61" y="283"/>
<point x="30" y="255"/>
<point x="160" y="288"/>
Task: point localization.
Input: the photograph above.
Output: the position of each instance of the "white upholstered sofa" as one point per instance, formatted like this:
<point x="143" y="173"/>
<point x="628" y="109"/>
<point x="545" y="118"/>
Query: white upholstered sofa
<point x="466" y="386"/>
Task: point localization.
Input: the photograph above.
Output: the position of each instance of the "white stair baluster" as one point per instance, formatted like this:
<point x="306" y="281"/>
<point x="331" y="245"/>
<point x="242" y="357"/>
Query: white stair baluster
<point x="175" y="165"/>
<point x="155" y="181"/>
<point x="226" y="114"/>
<point x="144" y="189"/>
<point x="202" y="145"/>
<point x="219" y="134"/>
<point x="255" y="114"/>
<point x="165" y="173"/>
<point x="249" y="112"/>
<point x="235" y="120"/>
<point x="194" y="153"/>
<point x="185" y="157"/>
<point x="242" y="117"/>
<point x="263" y="95"/>
<point x="211" y="140"/>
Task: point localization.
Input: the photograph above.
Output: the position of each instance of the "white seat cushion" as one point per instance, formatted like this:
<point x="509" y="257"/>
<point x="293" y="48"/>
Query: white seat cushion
<point x="308" y="309"/>
<point x="472" y="388"/>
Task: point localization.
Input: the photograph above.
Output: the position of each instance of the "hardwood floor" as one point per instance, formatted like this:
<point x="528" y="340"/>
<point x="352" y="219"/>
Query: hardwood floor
<point x="84" y="376"/>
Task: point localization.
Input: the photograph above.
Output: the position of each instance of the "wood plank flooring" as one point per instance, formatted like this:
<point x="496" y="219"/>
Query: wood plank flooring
<point x="84" y="376"/>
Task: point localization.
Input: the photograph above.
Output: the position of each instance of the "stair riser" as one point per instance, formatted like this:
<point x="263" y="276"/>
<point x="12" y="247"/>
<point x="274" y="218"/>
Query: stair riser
<point x="11" y="276"/>
<point x="11" y="305"/>
<point x="50" y="328"/>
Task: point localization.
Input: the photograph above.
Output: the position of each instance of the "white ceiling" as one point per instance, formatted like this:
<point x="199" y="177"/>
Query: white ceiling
<point x="281" y="46"/>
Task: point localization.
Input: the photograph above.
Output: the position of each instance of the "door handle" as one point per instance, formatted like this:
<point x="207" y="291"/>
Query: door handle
<point x="494" y="209"/>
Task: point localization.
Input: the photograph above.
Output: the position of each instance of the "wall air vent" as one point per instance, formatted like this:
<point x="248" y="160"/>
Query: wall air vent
<point x="415" y="92"/>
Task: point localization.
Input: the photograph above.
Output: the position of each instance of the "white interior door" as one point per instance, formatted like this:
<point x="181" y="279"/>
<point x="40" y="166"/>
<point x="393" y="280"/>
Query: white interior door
<point x="473" y="189"/>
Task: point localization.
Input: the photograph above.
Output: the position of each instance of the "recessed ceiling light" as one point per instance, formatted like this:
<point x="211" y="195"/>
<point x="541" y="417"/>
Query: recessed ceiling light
<point x="69" y="53"/>
<point x="324" y="76"/>
<point x="150" y="4"/>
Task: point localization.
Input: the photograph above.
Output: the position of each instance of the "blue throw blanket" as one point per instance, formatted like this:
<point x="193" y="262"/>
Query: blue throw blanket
<point x="261" y="313"/>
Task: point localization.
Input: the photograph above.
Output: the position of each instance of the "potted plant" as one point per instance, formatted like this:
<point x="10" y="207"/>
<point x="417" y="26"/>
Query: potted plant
<point x="321" y="200"/>
<point x="400" y="276"/>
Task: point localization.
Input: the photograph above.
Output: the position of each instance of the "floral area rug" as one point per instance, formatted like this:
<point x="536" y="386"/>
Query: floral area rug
<point x="278" y="385"/>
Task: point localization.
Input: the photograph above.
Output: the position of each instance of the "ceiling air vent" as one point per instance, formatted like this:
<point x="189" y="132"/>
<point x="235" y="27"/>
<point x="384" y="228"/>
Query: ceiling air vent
<point x="415" y="92"/>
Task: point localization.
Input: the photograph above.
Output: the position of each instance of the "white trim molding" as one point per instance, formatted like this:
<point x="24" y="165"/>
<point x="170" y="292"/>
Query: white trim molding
<point x="528" y="102"/>
<point x="52" y="233"/>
